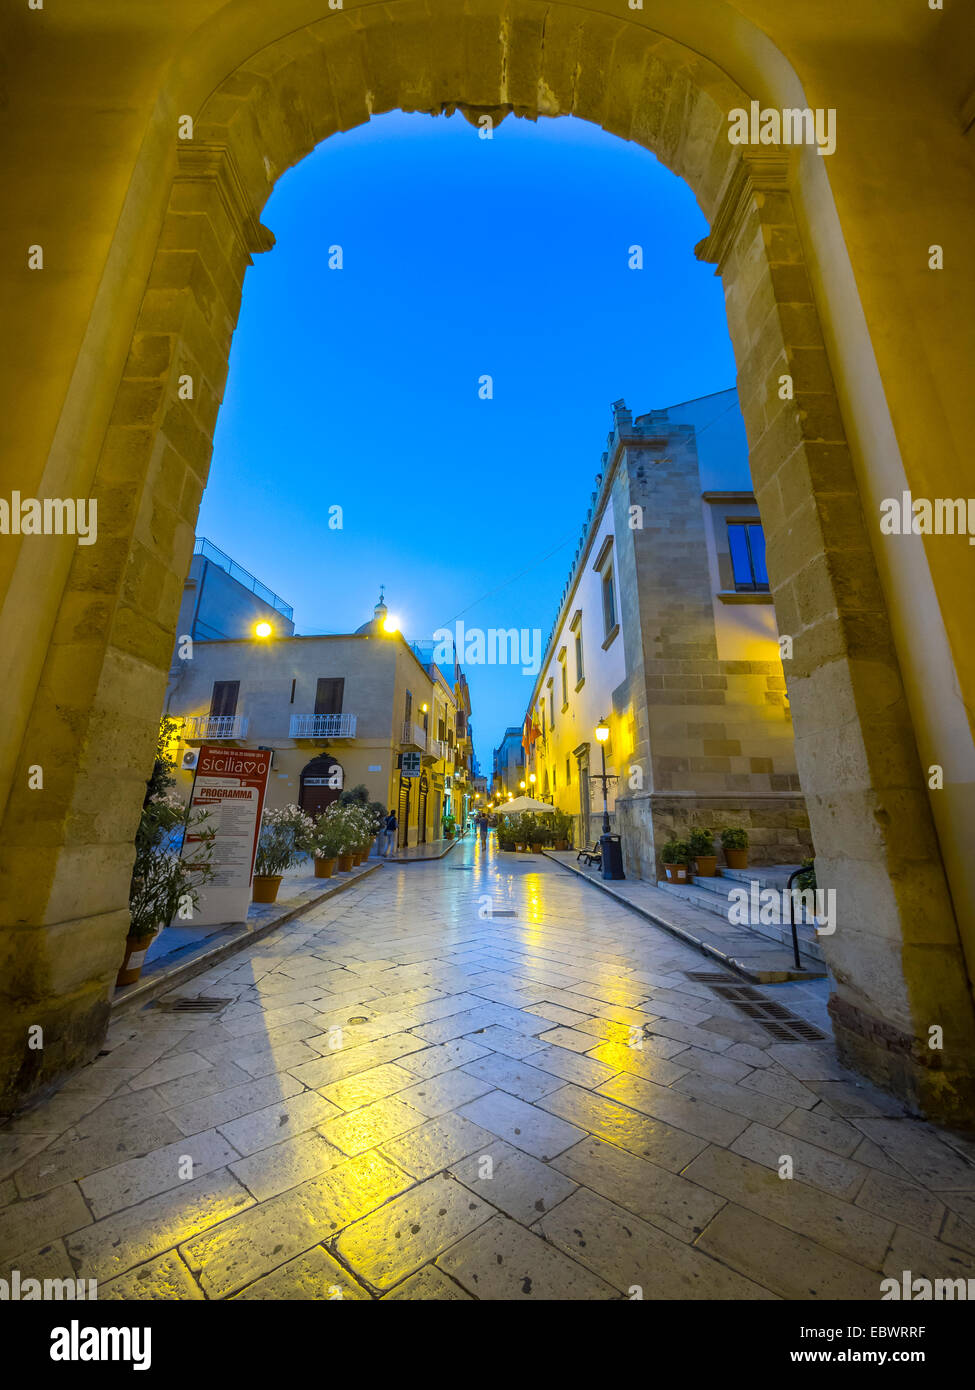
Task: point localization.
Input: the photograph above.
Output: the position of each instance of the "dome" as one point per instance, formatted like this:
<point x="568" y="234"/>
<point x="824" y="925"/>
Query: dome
<point x="380" y="613"/>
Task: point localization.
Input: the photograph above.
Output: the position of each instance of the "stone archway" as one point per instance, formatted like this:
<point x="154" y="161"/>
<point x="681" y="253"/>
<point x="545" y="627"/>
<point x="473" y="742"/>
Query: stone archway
<point x="898" y="959"/>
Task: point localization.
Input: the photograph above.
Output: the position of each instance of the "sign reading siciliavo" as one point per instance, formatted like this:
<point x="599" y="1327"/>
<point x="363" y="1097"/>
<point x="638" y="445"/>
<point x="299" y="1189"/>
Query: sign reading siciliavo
<point x="230" y="785"/>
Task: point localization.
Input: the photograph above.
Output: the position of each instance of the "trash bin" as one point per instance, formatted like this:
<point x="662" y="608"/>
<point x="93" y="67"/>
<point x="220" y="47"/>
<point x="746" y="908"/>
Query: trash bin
<point x="612" y="856"/>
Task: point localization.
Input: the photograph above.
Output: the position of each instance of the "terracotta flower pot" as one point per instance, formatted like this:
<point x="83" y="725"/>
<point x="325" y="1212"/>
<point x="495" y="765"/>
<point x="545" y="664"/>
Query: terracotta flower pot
<point x="356" y="858"/>
<point x="676" y="873"/>
<point x="266" y="888"/>
<point x="736" y="858"/>
<point x="135" y="954"/>
<point x="561" y="844"/>
<point x="345" y="863"/>
<point x="707" y="865"/>
<point x="324" y="868"/>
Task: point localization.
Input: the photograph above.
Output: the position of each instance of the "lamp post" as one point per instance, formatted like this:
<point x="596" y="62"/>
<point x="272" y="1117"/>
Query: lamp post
<point x="611" y="851"/>
<point x="531" y="778"/>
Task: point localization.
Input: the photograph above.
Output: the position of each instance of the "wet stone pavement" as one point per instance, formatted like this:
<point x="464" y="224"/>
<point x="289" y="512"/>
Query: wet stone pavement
<point x="407" y="1098"/>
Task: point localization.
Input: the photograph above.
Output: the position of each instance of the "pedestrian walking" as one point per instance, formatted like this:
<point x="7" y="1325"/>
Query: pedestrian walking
<point x="482" y="827"/>
<point x="388" y="835"/>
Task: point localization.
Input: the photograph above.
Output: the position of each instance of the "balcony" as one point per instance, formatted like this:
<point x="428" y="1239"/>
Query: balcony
<point x="319" y="726"/>
<point x="439" y="749"/>
<point x="215" y="726"/>
<point x="414" y="735"/>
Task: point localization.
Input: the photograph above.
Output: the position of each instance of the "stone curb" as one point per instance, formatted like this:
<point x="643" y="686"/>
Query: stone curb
<point x="754" y="975"/>
<point x="164" y="978"/>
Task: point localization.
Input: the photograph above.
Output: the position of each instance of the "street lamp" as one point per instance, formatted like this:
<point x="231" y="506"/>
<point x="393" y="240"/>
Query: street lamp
<point x="263" y="630"/>
<point x="531" y="778"/>
<point x="611" y="853"/>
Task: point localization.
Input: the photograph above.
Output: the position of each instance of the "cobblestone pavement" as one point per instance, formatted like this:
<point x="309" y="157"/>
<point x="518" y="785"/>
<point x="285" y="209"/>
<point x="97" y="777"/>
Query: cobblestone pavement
<point x="406" y="1100"/>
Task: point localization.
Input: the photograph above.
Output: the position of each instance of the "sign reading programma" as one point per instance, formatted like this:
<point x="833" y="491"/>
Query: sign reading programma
<point x="230" y="784"/>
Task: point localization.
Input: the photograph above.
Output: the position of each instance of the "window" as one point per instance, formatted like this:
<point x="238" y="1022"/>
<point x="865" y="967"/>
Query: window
<point x="568" y="773"/>
<point x="580" y="670"/>
<point x="328" y="695"/>
<point x="551" y="706"/>
<point x="609" y="603"/>
<point x="746" y="541"/>
<point x="408" y="713"/>
<point x="441" y="730"/>
<point x="565" y="684"/>
<point x="224" y="698"/>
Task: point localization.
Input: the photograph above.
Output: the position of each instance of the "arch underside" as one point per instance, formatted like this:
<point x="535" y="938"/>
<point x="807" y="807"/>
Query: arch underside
<point x="899" y="961"/>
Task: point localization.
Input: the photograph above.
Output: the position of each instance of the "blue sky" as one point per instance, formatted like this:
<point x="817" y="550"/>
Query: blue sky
<point x="359" y="387"/>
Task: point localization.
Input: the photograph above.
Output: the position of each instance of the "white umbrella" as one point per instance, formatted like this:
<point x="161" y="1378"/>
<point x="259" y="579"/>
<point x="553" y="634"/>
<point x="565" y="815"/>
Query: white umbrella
<point x="524" y="803"/>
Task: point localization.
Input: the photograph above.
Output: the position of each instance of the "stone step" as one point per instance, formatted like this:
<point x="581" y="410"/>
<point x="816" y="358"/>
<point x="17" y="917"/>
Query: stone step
<point x="715" y="901"/>
<point x="765" y="875"/>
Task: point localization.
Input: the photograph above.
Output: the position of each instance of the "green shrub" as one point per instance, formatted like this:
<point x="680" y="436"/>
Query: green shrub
<point x="806" y="880"/>
<point x="676" y="852"/>
<point x="702" y="842"/>
<point x="734" y="837"/>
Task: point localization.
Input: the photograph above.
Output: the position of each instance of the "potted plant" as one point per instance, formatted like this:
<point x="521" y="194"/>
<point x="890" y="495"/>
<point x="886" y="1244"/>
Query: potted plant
<point x="162" y="882"/>
<point x="284" y="833"/>
<point x="349" y="823"/>
<point x="449" y="827"/>
<point x="676" y="855"/>
<point x="734" y="842"/>
<point x="324" y="842"/>
<point x="702" y="850"/>
<point x="561" y="829"/>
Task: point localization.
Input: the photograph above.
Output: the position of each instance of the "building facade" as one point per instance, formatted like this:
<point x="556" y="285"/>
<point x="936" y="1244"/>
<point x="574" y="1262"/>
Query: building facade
<point x="222" y="599"/>
<point x="667" y="631"/>
<point x="338" y="711"/>
<point x="508" y="764"/>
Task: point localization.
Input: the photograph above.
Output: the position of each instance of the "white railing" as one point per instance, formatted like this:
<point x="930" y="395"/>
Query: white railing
<point x="415" y="734"/>
<point x="216" y="726"/>
<point x="439" y="748"/>
<point x="323" y="725"/>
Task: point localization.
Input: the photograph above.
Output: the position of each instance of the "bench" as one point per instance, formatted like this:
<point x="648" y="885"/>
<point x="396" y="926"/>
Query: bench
<point x="591" y="856"/>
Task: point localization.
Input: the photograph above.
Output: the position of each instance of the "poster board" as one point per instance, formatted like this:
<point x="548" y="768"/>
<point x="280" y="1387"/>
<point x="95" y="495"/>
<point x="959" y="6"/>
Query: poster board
<point x="230" y="784"/>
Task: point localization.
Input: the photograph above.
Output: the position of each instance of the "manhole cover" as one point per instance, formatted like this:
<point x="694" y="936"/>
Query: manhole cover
<point x="359" y="1018"/>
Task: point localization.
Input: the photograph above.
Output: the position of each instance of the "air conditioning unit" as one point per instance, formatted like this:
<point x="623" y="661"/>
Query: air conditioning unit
<point x="190" y="759"/>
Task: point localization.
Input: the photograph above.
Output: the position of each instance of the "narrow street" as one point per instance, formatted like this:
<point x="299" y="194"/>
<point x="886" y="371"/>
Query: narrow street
<point x="476" y="1078"/>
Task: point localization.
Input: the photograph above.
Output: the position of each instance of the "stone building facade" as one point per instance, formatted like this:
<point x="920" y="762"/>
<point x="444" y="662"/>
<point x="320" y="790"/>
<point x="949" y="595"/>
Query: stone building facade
<point x="338" y="711"/>
<point x="666" y="628"/>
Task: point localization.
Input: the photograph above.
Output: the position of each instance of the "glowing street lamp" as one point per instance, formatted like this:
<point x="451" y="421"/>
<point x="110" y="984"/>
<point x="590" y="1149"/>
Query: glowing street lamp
<point x="390" y="624"/>
<point x="263" y="630"/>
<point x="611" y="853"/>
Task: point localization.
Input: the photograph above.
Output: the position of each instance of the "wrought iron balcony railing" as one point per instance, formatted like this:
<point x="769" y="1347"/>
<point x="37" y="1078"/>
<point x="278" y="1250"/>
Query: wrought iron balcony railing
<point x="323" y="725"/>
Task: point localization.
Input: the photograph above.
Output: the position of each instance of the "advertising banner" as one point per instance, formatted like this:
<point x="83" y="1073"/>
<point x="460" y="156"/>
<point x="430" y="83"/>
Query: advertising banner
<point x="230" y="785"/>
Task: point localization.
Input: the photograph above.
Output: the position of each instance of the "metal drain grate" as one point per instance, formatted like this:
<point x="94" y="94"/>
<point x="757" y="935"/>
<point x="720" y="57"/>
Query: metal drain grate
<point x="782" y="1023"/>
<point x="461" y="868"/>
<point x="505" y="913"/>
<point x="201" y="1005"/>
